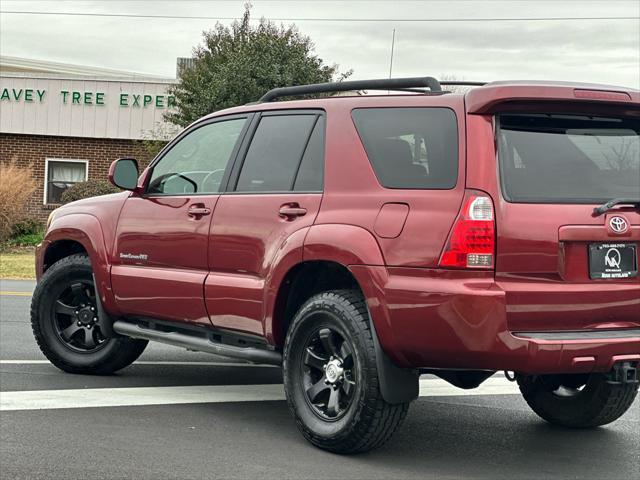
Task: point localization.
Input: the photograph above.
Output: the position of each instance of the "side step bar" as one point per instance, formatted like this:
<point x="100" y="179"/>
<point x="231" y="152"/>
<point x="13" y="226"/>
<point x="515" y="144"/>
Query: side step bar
<point x="198" y="343"/>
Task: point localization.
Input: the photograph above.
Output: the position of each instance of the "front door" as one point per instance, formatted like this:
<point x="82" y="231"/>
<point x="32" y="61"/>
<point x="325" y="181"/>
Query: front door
<point x="274" y="192"/>
<point x="161" y="249"/>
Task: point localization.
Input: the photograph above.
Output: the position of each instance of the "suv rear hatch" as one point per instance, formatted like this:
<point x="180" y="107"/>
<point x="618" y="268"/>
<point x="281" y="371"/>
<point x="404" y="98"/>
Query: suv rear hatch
<point x="563" y="265"/>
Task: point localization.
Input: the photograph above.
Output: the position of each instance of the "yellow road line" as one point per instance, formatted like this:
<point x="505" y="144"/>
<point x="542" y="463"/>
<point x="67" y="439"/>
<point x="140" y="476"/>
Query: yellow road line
<point x="15" y="294"/>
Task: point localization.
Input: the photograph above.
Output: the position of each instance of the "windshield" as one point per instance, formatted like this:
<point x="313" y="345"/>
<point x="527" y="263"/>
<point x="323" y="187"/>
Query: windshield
<point x="546" y="158"/>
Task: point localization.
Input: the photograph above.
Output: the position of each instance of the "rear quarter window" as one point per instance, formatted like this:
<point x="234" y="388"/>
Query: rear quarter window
<point x="410" y="148"/>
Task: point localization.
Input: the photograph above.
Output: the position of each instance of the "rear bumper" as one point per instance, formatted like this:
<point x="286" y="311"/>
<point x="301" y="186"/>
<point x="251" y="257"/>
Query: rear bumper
<point x="449" y="319"/>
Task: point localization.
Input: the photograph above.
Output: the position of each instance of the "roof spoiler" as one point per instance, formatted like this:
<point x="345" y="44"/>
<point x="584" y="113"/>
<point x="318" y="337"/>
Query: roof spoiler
<point x="504" y="95"/>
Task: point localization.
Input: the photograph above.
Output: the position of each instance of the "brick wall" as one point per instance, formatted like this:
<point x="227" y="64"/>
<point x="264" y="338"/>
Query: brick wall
<point x="31" y="151"/>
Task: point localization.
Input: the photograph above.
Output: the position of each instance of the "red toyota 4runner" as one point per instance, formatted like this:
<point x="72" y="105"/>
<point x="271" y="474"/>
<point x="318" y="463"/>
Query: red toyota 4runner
<point x="360" y="241"/>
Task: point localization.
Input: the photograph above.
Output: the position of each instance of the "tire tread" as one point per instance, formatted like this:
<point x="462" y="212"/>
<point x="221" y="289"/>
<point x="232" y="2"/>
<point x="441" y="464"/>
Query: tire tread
<point x="126" y="351"/>
<point x="604" y="404"/>
<point x="379" y="420"/>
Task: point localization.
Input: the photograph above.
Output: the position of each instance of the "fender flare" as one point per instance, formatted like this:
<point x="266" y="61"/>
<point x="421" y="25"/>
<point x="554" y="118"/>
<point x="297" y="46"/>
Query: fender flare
<point x="86" y="230"/>
<point x="353" y="246"/>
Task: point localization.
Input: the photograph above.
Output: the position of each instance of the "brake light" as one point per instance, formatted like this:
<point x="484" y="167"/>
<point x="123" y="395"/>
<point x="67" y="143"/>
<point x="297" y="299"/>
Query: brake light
<point x="473" y="237"/>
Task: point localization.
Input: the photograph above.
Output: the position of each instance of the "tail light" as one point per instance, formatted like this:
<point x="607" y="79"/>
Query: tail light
<point x="472" y="240"/>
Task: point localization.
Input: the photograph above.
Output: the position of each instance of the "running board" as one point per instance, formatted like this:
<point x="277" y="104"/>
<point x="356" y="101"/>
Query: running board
<point x="198" y="343"/>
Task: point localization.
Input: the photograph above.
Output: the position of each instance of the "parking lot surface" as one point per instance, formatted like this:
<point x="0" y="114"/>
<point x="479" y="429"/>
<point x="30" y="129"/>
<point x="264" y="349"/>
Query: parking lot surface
<point x="179" y="414"/>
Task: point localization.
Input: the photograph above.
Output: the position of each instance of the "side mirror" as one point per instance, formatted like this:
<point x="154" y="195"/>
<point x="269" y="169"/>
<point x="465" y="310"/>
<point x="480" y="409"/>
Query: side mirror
<point x="123" y="173"/>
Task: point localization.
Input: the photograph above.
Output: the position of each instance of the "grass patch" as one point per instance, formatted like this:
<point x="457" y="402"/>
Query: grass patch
<point x="26" y="240"/>
<point x="17" y="263"/>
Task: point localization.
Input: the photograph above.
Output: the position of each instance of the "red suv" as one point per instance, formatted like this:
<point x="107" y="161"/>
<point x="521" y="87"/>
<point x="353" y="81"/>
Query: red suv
<point x="360" y="241"/>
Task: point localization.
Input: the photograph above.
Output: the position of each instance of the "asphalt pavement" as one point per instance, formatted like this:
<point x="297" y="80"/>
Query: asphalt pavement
<point x="176" y="414"/>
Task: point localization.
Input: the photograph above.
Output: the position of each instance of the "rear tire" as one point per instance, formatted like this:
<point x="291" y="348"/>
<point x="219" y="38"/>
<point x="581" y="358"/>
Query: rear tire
<point x="577" y="401"/>
<point x="331" y="379"/>
<point x="65" y="323"/>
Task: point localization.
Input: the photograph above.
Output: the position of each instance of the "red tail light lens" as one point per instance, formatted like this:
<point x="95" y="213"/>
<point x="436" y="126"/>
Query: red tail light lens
<point x="473" y="237"/>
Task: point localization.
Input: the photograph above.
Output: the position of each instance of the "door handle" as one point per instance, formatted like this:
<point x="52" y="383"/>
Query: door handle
<point x="291" y="211"/>
<point x="198" y="210"/>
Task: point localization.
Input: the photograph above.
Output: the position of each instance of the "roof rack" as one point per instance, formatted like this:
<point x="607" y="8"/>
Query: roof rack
<point x="400" y="84"/>
<point x="463" y="83"/>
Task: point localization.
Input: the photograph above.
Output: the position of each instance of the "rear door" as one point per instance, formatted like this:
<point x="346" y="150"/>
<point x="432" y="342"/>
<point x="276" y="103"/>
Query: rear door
<point x="275" y="191"/>
<point x="563" y="266"/>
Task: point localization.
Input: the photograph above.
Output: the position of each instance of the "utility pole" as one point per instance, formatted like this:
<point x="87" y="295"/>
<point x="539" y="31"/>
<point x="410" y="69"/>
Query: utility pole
<point x="393" y="44"/>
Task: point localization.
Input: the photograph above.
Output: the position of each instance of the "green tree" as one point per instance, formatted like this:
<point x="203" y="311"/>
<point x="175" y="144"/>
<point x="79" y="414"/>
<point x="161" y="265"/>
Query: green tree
<point x="238" y="64"/>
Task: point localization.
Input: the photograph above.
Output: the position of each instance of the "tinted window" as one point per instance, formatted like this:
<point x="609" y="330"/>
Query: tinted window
<point x="410" y="147"/>
<point x="568" y="158"/>
<point x="311" y="173"/>
<point x="275" y="152"/>
<point x="196" y="164"/>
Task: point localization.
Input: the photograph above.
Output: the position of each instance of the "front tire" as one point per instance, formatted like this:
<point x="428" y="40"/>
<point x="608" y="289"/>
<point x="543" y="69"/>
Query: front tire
<point x="577" y="401"/>
<point x="331" y="379"/>
<point x="66" y="325"/>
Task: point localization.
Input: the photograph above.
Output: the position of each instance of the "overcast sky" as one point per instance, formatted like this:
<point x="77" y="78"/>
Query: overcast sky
<point x="602" y="51"/>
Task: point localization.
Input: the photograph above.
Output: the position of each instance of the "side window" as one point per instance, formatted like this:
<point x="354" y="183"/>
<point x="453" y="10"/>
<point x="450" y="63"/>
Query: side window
<point x="274" y="155"/>
<point x="310" y="176"/>
<point x="410" y="147"/>
<point x="196" y="164"/>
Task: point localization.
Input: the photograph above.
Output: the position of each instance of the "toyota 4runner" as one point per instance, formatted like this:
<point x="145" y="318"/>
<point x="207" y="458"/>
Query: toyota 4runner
<point x="360" y="241"/>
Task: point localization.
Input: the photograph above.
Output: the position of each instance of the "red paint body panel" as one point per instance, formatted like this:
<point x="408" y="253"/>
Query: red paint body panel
<point x="542" y="254"/>
<point x="447" y="319"/>
<point x="164" y="294"/>
<point x="288" y="256"/>
<point x="92" y="223"/>
<point x="246" y="236"/>
<point x="228" y="268"/>
<point x="391" y="219"/>
<point x="358" y="202"/>
<point x="166" y="282"/>
<point x="488" y="99"/>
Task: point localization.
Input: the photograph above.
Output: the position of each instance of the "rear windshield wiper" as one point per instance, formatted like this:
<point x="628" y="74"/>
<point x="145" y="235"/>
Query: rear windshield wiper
<point x="616" y="201"/>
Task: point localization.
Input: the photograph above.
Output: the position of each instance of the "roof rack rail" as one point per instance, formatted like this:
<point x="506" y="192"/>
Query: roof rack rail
<point x="402" y="84"/>
<point x="463" y="83"/>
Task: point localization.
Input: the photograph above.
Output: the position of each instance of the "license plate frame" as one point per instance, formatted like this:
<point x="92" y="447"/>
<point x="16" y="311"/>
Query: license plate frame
<point x="612" y="261"/>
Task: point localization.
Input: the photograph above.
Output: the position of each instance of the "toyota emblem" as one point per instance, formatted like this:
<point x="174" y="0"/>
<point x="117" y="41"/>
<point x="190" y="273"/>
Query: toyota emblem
<point x="618" y="225"/>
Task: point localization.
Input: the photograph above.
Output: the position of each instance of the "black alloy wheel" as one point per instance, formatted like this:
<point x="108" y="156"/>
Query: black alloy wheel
<point x="331" y="376"/>
<point x="75" y="317"/>
<point x="67" y="326"/>
<point x="328" y="373"/>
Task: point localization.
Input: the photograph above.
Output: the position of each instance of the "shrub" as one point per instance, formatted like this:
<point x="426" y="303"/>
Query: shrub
<point x="26" y="239"/>
<point x="90" y="188"/>
<point x="27" y="232"/>
<point x="27" y="226"/>
<point x="16" y="186"/>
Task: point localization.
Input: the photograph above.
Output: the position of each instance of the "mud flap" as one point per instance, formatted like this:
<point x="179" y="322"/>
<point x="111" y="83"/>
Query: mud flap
<point x="397" y="385"/>
<point x="104" y="319"/>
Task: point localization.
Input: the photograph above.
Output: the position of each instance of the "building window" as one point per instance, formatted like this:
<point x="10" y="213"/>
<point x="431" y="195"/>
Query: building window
<point x="60" y="175"/>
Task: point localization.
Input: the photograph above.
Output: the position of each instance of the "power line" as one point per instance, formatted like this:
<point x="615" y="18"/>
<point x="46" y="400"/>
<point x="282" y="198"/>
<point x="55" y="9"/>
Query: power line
<point x="311" y="19"/>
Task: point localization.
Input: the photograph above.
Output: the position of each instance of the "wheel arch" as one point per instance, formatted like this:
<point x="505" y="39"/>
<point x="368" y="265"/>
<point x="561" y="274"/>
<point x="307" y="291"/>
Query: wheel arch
<point x="79" y="233"/>
<point x="330" y="260"/>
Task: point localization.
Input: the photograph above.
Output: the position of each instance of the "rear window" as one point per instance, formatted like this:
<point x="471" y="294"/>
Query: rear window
<point x="413" y="148"/>
<point x="548" y="158"/>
